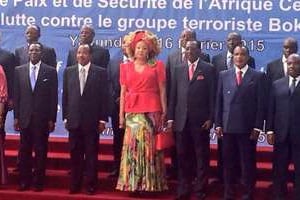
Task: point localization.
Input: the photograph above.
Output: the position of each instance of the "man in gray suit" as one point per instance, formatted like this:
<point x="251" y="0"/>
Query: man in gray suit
<point x="84" y="109"/>
<point x="32" y="34"/>
<point x="35" y="107"/>
<point x="191" y="109"/>
<point x="239" y="119"/>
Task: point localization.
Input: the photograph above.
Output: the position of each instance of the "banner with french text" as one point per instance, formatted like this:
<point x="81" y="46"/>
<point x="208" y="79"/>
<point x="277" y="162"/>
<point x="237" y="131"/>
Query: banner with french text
<point x="262" y="23"/>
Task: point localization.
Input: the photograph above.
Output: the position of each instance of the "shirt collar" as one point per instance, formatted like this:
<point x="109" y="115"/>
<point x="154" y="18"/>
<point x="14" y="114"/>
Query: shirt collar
<point x="87" y="66"/>
<point x="37" y="65"/>
<point x="291" y="79"/>
<point x="195" y="63"/>
<point x="229" y="54"/>
<point x="244" y="69"/>
<point x="284" y="59"/>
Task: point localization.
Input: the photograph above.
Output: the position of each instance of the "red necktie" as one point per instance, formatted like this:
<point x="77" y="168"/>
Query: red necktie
<point x="239" y="77"/>
<point x="191" y="71"/>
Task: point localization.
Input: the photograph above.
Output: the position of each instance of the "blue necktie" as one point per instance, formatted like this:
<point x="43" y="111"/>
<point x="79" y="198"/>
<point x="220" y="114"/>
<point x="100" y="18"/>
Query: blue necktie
<point x="32" y="76"/>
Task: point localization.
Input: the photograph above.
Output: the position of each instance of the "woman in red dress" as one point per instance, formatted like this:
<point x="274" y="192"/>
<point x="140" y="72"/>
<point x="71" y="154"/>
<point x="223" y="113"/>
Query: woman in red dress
<point x="142" y="112"/>
<point x="3" y="100"/>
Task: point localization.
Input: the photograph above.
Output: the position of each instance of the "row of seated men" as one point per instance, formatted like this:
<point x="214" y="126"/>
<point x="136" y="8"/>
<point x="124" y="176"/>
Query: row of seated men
<point x="100" y="57"/>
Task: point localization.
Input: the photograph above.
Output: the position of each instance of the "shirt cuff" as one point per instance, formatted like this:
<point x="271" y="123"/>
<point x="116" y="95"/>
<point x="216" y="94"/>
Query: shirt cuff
<point x="257" y="129"/>
<point x="270" y="132"/>
<point x="170" y="121"/>
<point x="101" y="121"/>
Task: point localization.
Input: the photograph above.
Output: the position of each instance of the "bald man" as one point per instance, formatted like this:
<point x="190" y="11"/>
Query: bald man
<point x="100" y="55"/>
<point x="32" y="34"/>
<point x="278" y="68"/>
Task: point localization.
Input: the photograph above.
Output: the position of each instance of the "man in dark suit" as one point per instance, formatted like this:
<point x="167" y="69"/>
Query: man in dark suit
<point x="35" y="107"/>
<point x="283" y="125"/>
<point x="239" y="119"/>
<point x="191" y="107"/>
<point x="100" y="55"/>
<point x="7" y="61"/>
<point x="224" y="60"/>
<point x="278" y="68"/>
<point x="84" y="104"/>
<point x="221" y="62"/>
<point x="32" y="34"/>
<point x="48" y="57"/>
<point x="177" y="59"/>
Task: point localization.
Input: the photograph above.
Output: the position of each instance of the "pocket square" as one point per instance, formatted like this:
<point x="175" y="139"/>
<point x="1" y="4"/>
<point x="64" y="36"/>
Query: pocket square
<point x="45" y="80"/>
<point x="200" y="77"/>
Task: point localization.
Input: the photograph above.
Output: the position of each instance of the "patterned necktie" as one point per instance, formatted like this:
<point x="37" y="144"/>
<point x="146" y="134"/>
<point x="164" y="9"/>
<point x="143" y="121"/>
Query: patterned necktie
<point x="33" y="76"/>
<point x="191" y="71"/>
<point x="239" y="77"/>
<point x="82" y="79"/>
<point x="293" y="86"/>
<point x="229" y="62"/>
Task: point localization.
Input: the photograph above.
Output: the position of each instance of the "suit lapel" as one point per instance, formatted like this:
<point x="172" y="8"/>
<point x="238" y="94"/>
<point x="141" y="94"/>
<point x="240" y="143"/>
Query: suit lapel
<point x="196" y="72"/>
<point x="75" y="79"/>
<point x="247" y="77"/>
<point x="232" y="82"/>
<point x="89" y="79"/>
<point x="27" y="78"/>
<point x="40" y="76"/>
<point x="280" y="69"/>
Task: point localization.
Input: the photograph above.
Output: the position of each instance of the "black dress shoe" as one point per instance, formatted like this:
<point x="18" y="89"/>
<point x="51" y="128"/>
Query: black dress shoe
<point x="90" y="190"/>
<point x="74" y="190"/>
<point x="23" y="187"/>
<point x="38" y="188"/>
<point x="183" y="197"/>
<point x="201" y="196"/>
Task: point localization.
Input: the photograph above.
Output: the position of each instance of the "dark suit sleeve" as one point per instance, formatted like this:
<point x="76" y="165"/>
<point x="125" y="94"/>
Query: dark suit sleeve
<point x="172" y="96"/>
<point x="219" y="102"/>
<point x="51" y="58"/>
<point x="212" y="90"/>
<point x="17" y="57"/>
<point x="106" y="58"/>
<point x="261" y="101"/>
<point x="271" y="110"/>
<point x="251" y="62"/>
<point x="65" y="94"/>
<point x="70" y="60"/>
<point x="168" y="78"/>
<point x="54" y="96"/>
<point x="16" y="95"/>
<point x="103" y="108"/>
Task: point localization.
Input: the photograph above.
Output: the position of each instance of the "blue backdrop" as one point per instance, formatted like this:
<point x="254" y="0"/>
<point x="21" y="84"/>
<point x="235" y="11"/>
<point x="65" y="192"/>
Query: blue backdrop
<point x="263" y="24"/>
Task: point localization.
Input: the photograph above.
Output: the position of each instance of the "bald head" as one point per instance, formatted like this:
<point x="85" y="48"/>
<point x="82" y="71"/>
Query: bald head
<point x="290" y="46"/>
<point x="293" y="62"/>
<point x="87" y="34"/>
<point x="233" y="39"/>
<point x="32" y="33"/>
<point x="187" y="35"/>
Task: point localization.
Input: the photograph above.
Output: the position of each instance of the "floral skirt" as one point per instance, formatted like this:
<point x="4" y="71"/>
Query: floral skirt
<point x="142" y="167"/>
